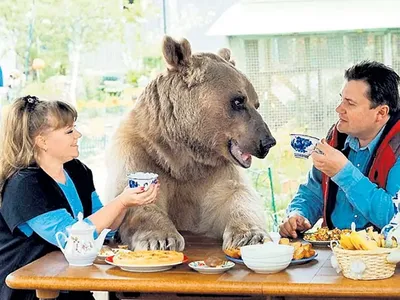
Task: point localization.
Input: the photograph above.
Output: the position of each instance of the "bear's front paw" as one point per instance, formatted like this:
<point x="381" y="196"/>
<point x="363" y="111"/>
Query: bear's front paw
<point x="157" y="240"/>
<point x="238" y="237"/>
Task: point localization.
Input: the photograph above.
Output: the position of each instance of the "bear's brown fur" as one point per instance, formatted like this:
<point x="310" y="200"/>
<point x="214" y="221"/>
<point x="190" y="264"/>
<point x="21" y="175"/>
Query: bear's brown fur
<point x="194" y="125"/>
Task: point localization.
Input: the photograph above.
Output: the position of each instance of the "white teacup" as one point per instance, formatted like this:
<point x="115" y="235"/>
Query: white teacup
<point x="142" y="179"/>
<point x="303" y="144"/>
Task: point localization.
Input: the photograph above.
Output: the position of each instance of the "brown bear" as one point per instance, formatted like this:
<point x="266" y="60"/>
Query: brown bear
<point x="196" y="125"/>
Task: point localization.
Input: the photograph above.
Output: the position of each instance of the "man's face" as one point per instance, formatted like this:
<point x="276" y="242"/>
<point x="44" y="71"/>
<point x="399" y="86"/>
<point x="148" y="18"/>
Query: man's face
<point x="356" y="117"/>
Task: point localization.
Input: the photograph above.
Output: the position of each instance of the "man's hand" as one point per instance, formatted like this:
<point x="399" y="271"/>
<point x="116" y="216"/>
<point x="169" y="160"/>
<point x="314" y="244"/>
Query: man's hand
<point x="328" y="159"/>
<point x="292" y="224"/>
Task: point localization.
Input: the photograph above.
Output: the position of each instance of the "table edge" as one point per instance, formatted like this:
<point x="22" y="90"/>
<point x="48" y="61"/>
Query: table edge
<point x="126" y="285"/>
<point x="225" y="288"/>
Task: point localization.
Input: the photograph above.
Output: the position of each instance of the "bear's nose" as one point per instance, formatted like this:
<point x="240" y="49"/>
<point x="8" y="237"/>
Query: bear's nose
<point x="265" y="145"/>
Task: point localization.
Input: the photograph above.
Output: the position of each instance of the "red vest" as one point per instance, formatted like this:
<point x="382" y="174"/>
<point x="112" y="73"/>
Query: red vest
<point x="383" y="160"/>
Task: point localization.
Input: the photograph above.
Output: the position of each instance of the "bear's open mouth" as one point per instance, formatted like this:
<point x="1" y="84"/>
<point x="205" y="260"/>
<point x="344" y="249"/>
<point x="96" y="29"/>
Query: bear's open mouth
<point x="243" y="158"/>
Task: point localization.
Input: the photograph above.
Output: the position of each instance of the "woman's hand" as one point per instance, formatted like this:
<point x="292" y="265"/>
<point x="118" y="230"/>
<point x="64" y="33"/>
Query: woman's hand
<point x="138" y="196"/>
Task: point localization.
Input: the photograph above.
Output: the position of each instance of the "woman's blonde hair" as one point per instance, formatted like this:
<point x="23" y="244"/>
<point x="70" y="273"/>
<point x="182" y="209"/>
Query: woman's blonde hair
<point x="27" y="118"/>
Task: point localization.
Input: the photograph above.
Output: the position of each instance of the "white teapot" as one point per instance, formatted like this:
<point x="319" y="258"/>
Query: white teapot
<point x="81" y="248"/>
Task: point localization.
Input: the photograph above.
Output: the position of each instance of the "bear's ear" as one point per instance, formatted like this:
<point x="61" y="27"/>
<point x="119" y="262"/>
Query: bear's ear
<point x="225" y="53"/>
<point x="176" y="54"/>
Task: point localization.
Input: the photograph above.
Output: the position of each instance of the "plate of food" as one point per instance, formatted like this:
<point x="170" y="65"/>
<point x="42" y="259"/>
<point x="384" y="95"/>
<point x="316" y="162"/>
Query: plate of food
<point x="105" y="251"/>
<point x="318" y="243"/>
<point x="292" y="263"/>
<point x="303" y="253"/>
<point x="211" y="265"/>
<point x="234" y="255"/>
<point x="323" y="236"/>
<point x="303" y="260"/>
<point x="235" y="260"/>
<point x="146" y="261"/>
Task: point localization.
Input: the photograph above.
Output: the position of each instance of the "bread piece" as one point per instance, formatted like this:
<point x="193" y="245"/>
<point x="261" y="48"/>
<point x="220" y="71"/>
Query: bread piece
<point x="309" y="253"/>
<point x="284" y="241"/>
<point x="213" y="261"/>
<point x="299" y="253"/>
<point x="296" y="245"/>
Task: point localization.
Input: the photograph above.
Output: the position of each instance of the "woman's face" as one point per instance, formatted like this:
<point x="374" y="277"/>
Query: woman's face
<point x="61" y="144"/>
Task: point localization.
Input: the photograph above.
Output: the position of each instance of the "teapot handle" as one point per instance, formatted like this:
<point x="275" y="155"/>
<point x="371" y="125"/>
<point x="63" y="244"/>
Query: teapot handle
<point x="58" y="240"/>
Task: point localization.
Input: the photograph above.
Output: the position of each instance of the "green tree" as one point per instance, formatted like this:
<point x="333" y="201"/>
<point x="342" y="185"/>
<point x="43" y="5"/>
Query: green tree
<point x="16" y="28"/>
<point x="59" y="31"/>
<point x="83" y="25"/>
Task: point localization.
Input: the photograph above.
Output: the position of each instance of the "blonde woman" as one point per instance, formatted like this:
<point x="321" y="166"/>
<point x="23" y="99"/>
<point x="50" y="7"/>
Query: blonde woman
<point x="44" y="187"/>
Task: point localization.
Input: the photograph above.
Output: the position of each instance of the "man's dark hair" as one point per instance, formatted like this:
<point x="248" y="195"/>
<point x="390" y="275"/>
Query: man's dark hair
<point x="383" y="83"/>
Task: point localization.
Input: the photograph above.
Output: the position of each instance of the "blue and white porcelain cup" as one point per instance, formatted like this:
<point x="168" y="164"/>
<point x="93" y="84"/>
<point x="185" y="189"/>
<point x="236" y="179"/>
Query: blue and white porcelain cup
<point x="303" y="144"/>
<point x="142" y="179"/>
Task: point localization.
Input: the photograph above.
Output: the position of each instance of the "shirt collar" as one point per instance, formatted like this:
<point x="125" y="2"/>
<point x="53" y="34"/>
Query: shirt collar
<point x="354" y="144"/>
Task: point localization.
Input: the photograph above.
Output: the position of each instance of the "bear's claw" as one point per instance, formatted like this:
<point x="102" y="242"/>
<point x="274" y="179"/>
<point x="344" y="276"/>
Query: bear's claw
<point x="237" y="239"/>
<point x="157" y="240"/>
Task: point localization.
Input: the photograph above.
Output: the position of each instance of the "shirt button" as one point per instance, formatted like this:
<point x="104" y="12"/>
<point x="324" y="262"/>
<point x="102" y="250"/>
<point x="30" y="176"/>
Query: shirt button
<point x="358" y="165"/>
<point x="355" y="216"/>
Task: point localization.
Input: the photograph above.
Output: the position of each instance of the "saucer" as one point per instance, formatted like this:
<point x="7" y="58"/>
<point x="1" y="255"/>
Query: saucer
<point x="201" y="267"/>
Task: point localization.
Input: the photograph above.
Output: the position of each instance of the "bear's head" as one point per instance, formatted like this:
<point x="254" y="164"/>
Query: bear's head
<point x="207" y="105"/>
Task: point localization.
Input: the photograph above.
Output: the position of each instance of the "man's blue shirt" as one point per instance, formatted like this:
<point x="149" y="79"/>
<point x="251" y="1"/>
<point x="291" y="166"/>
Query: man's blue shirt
<point x="358" y="199"/>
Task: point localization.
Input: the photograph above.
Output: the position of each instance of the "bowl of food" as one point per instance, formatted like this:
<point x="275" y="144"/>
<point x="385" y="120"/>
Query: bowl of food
<point x="303" y="145"/>
<point x="267" y="258"/>
<point x="142" y="179"/>
<point x="260" y="250"/>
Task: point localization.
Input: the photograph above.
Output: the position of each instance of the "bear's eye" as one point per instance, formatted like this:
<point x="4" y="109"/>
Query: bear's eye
<point x="238" y="103"/>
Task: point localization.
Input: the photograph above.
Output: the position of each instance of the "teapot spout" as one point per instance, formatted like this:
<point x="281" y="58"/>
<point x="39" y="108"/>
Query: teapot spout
<point x="100" y="239"/>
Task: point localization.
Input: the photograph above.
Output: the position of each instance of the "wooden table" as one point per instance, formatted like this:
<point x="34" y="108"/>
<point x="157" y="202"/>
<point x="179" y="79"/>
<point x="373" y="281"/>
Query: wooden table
<point x="51" y="273"/>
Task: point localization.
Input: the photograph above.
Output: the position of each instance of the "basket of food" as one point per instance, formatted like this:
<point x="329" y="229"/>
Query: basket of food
<point x="365" y="255"/>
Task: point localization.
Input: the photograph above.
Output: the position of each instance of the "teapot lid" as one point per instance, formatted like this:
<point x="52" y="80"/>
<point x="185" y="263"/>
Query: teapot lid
<point x="81" y="225"/>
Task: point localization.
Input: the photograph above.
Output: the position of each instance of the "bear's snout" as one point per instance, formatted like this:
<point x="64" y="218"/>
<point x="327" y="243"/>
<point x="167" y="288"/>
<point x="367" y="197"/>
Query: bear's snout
<point x="264" y="146"/>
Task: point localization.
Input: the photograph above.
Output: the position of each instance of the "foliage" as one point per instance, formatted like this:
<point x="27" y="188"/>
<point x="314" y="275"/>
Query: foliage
<point x="46" y="90"/>
<point x="150" y="65"/>
<point x="154" y="62"/>
<point x="51" y="29"/>
<point x="132" y="76"/>
<point x="14" y="20"/>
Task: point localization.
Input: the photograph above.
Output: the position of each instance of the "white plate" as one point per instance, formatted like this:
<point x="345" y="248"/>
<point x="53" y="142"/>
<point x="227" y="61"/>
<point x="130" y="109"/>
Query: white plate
<point x="318" y="243"/>
<point x="111" y="252"/>
<point x="105" y="255"/>
<point x="201" y="267"/>
<point x="303" y="260"/>
<point x="144" y="269"/>
<point x="235" y="260"/>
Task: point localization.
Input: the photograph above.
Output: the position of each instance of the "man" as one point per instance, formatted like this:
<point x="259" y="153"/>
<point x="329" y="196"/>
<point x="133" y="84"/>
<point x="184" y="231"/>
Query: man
<point x="356" y="170"/>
